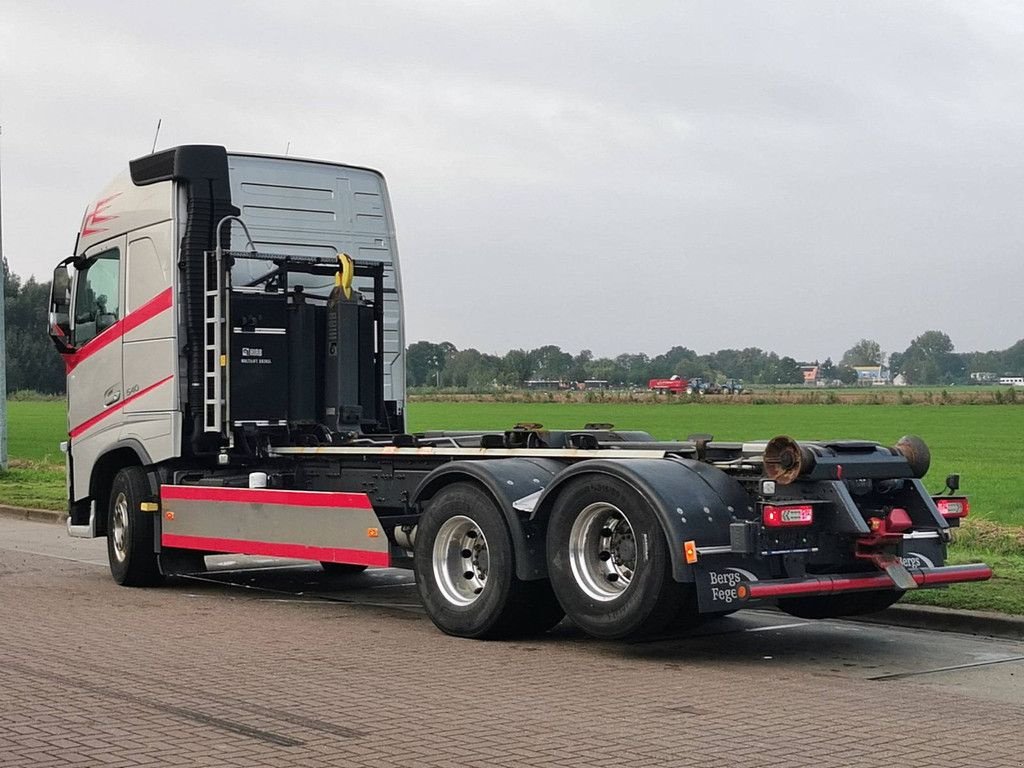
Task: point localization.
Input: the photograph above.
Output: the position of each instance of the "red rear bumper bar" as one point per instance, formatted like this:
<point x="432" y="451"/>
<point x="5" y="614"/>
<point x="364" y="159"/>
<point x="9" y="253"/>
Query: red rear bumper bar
<point x="830" y="584"/>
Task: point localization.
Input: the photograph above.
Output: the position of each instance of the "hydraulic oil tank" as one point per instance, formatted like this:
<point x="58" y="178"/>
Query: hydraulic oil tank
<point x="305" y="339"/>
<point x="342" y="409"/>
<point x="259" y="358"/>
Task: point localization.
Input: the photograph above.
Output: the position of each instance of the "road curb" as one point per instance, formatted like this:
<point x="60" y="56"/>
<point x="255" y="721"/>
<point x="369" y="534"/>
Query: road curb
<point x="985" y="623"/>
<point x="36" y="515"/>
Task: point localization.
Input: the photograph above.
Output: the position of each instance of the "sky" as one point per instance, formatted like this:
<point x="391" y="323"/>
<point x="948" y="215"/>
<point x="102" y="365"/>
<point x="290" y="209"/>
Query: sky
<point x="619" y="177"/>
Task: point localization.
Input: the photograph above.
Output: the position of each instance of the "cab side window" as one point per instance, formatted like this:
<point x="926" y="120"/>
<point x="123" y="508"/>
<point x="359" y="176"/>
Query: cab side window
<point x="97" y="297"/>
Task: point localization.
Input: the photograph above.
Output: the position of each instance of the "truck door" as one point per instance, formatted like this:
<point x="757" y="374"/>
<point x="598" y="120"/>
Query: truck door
<point x="95" y="385"/>
<point x="149" y="350"/>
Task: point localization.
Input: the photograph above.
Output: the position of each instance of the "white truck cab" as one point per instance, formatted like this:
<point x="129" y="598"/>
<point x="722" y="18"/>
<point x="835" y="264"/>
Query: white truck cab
<point x="129" y="309"/>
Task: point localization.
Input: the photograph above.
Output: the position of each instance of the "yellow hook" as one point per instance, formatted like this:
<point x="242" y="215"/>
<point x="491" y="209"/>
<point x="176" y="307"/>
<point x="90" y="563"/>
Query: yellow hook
<point x="345" y="273"/>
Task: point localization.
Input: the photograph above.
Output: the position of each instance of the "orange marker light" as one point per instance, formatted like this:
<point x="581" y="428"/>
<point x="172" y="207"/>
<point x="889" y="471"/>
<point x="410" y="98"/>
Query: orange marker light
<point x="690" y="551"/>
<point x="741" y="592"/>
<point x="372" y="533"/>
<point x="169" y="515"/>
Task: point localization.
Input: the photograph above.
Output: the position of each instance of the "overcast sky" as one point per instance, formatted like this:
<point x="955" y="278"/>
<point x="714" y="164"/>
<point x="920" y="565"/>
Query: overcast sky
<point x="622" y="177"/>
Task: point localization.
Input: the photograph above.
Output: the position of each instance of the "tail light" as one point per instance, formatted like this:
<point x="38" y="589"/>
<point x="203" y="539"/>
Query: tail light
<point x="777" y="516"/>
<point x="952" y="507"/>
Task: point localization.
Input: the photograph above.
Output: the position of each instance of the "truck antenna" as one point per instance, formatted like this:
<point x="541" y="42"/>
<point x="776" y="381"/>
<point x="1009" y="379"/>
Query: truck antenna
<point x="156" y="135"/>
<point x="287" y="148"/>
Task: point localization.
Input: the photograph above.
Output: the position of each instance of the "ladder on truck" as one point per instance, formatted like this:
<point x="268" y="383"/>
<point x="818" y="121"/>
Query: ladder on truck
<point x="216" y="310"/>
<point x="215" y="343"/>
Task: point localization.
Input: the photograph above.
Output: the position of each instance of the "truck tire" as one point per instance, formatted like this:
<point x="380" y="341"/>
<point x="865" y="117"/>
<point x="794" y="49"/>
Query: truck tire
<point x="609" y="563"/>
<point x="341" y="569"/>
<point x="834" y="606"/>
<point x="130" y="531"/>
<point x="464" y="563"/>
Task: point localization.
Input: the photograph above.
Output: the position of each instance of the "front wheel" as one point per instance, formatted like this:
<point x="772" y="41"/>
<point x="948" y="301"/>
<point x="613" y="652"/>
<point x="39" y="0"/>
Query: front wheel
<point x="130" y="531"/>
<point x="464" y="563"/>
<point x="609" y="562"/>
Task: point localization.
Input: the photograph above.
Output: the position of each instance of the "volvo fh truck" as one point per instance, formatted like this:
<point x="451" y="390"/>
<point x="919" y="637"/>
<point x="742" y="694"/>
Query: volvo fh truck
<point x="233" y="334"/>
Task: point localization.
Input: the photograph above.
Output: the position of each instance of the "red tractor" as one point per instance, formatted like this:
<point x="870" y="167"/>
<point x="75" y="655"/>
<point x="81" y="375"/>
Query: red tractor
<point x="675" y="384"/>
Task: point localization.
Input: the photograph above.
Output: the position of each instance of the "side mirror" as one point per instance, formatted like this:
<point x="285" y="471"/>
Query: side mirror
<point x="59" y="315"/>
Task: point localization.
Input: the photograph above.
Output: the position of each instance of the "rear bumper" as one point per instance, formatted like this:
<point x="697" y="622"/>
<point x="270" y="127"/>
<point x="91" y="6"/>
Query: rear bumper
<point x="837" y="583"/>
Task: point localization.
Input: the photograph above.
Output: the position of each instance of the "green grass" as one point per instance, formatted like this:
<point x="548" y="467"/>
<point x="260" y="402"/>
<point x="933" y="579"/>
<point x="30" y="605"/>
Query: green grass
<point x="35" y="477"/>
<point x="1003" y="593"/>
<point x="33" y="484"/>
<point x="35" y="430"/>
<point x="985" y="444"/>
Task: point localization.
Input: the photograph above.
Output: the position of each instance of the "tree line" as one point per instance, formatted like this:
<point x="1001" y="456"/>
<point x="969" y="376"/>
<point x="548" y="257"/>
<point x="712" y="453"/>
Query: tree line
<point x="929" y="359"/>
<point x="32" y="363"/>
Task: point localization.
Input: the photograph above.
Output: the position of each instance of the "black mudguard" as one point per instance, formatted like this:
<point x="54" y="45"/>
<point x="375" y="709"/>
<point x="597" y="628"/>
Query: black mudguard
<point x="693" y="501"/>
<point x="507" y="480"/>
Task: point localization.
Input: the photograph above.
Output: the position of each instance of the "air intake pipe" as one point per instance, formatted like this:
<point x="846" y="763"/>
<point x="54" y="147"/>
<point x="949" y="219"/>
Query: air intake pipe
<point x="204" y="171"/>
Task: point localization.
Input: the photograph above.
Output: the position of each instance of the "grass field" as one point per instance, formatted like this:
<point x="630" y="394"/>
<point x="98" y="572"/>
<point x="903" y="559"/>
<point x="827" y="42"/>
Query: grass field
<point x="984" y="443"/>
<point x="36" y="474"/>
<point x="35" y="429"/>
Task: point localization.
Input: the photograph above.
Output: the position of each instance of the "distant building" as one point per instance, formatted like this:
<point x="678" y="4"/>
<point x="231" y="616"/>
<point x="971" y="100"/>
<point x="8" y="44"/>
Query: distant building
<point x="811" y="374"/>
<point x="871" y="375"/>
<point x="984" y="377"/>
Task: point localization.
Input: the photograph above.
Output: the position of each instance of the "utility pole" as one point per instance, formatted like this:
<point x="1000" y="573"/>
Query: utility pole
<point x="3" y="328"/>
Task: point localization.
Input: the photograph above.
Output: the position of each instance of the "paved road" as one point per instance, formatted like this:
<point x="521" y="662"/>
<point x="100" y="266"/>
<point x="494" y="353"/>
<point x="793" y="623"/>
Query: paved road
<point x="288" y="667"/>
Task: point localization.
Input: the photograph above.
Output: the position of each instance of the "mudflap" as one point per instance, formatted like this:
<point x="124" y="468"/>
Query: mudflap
<point x="722" y="587"/>
<point x="922" y="553"/>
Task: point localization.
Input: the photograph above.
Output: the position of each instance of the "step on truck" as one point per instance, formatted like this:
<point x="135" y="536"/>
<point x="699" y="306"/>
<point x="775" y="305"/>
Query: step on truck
<point x="232" y="330"/>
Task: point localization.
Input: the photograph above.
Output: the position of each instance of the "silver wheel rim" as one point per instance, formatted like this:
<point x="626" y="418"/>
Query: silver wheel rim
<point x="119" y="531"/>
<point x="460" y="560"/>
<point x="602" y="551"/>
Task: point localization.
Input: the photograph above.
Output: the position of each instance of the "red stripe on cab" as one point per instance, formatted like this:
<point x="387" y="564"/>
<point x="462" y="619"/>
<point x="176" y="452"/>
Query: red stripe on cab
<point x="155" y="306"/>
<point x="89" y="423"/>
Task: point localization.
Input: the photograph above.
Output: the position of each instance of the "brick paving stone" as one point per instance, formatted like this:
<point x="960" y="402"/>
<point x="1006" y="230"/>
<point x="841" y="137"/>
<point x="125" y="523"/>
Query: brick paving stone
<point x="95" y="674"/>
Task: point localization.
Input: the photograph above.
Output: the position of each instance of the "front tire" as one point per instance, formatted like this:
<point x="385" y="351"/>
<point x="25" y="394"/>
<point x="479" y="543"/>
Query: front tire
<point x="130" y="531"/>
<point x="464" y="563"/>
<point x="609" y="562"/>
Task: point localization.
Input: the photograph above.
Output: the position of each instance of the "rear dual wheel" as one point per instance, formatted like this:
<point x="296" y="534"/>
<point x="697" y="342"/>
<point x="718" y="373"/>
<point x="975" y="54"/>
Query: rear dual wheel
<point x="609" y="562"/>
<point x="464" y="563"/>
